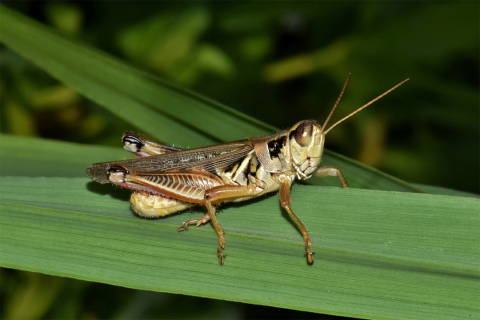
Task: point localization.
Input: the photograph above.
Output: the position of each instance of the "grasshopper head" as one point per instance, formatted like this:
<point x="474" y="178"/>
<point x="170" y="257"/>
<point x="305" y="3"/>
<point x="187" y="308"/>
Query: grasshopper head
<point x="306" y="146"/>
<point x="308" y="137"/>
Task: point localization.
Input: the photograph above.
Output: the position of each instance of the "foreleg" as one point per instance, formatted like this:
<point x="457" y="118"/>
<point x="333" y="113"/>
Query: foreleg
<point x="331" y="172"/>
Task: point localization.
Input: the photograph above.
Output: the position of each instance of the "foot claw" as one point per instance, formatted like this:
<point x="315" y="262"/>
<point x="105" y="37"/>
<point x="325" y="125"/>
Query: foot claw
<point x="309" y="255"/>
<point x="183" y="228"/>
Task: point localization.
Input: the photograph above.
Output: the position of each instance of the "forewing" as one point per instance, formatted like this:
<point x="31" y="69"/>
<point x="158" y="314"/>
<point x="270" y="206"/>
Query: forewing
<point x="217" y="157"/>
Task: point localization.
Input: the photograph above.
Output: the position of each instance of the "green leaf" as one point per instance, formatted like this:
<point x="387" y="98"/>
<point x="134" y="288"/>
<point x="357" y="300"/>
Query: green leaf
<point x="22" y="156"/>
<point x="33" y="157"/>
<point x="378" y="254"/>
<point x="445" y="191"/>
<point x="174" y="115"/>
<point x="153" y="105"/>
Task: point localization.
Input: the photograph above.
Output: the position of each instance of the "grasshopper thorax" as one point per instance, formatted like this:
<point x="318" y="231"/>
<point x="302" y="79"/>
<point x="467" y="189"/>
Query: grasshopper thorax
<point x="306" y="140"/>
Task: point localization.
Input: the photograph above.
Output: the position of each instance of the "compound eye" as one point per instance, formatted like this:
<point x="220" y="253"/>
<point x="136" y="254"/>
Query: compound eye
<point x="303" y="134"/>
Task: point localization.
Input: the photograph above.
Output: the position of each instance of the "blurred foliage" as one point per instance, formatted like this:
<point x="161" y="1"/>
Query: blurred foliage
<point x="279" y="62"/>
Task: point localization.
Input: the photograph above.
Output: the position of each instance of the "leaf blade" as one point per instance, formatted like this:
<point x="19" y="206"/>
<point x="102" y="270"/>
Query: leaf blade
<point x="172" y="114"/>
<point x="152" y="104"/>
<point x="87" y="231"/>
<point x="33" y="157"/>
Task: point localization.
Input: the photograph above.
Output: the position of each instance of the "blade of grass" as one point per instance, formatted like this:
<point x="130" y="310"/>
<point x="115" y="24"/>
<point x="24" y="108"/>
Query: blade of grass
<point x="33" y="157"/>
<point x="445" y="191"/>
<point x="159" y="108"/>
<point x="378" y="254"/>
<point x="173" y="115"/>
<point x="24" y="156"/>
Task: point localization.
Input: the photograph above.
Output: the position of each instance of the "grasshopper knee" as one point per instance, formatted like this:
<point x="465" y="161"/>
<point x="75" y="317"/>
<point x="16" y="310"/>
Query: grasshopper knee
<point x="116" y="174"/>
<point x="286" y="204"/>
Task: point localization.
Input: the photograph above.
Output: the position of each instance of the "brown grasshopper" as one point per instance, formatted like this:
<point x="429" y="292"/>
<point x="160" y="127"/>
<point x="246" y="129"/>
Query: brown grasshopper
<point x="167" y="180"/>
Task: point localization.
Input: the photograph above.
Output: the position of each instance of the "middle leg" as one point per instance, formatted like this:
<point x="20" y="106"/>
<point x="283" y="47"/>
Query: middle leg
<point x="198" y="222"/>
<point x="218" y="195"/>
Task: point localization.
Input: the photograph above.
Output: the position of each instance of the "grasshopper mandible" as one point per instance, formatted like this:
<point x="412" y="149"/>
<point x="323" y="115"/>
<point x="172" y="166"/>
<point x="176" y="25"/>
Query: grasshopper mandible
<point x="167" y="180"/>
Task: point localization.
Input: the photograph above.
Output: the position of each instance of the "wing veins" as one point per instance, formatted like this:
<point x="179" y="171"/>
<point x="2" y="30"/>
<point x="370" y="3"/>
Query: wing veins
<point x="204" y="158"/>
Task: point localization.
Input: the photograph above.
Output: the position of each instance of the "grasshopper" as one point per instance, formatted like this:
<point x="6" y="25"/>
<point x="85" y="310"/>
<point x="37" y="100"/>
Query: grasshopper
<point x="166" y="180"/>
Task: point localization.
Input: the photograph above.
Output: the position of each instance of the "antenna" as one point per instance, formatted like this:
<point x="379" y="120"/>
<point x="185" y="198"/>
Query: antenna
<point x="338" y="101"/>
<point x="364" y="106"/>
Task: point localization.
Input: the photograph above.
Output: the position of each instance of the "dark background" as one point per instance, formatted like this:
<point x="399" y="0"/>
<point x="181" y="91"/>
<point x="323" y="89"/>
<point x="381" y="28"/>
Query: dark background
<point x="279" y="62"/>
